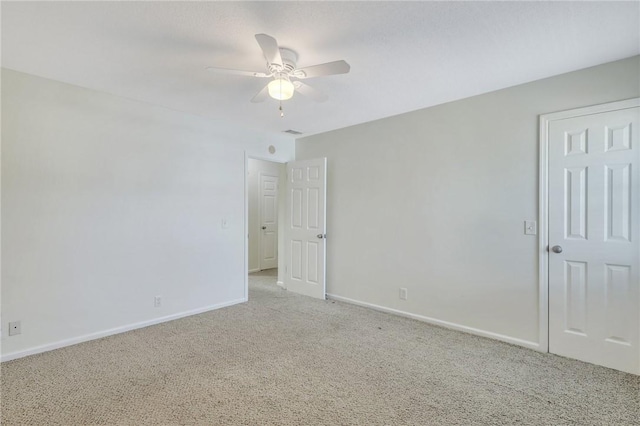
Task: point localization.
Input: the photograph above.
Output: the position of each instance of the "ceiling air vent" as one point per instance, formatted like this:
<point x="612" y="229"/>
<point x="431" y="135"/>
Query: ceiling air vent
<point x="292" y="132"/>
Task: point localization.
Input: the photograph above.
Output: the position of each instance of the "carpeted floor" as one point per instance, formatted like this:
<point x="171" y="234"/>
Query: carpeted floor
<point x="284" y="359"/>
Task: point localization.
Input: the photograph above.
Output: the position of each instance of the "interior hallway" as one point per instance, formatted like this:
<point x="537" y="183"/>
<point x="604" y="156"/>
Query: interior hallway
<point x="286" y="359"/>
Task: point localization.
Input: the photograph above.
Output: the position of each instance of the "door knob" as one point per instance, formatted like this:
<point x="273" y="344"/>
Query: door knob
<point x="556" y="249"/>
<point x="264" y="227"/>
<point x="321" y="236"/>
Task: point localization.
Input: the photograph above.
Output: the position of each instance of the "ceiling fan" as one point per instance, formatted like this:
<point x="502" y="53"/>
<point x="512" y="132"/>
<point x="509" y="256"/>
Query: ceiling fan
<point x="282" y="69"/>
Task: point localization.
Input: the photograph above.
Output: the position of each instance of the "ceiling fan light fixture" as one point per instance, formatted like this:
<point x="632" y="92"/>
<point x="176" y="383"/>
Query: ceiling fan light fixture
<point x="281" y="66"/>
<point x="281" y="89"/>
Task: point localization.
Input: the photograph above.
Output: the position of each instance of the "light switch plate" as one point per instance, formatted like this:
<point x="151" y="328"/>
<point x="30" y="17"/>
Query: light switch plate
<point x="530" y="227"/>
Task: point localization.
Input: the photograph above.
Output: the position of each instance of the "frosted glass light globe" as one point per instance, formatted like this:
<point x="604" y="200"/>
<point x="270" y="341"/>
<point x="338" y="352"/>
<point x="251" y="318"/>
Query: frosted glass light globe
<point x="281" y="89"/>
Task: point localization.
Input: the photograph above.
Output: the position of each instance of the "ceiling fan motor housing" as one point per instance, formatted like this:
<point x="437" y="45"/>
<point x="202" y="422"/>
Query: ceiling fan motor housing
<point x="289" y="59"/>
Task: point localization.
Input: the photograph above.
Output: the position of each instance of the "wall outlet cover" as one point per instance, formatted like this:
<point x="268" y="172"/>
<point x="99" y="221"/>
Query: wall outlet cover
<point x="403" y="293"/>
<point x="530" y="227"/>
<point x="15" y="328"/>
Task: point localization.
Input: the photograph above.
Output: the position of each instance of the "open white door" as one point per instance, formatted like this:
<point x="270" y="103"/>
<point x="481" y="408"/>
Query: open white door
<point x="594" y="238"/>
<point x="305" y="234"/>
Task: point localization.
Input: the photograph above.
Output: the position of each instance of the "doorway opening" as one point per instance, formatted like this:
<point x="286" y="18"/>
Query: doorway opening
<point x="264" y="198"/>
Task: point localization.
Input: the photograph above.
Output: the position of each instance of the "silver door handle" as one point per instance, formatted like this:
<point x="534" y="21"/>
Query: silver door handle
<point x="321" y="236"/>
<point x="556" y="249"/>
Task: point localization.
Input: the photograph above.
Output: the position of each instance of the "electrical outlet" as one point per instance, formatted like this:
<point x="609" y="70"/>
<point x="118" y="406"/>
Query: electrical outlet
<point x="530" y="227"/>
<point x="15" y="328"/>
<point x="157" y="301"/>
<point x="403" y="293"/>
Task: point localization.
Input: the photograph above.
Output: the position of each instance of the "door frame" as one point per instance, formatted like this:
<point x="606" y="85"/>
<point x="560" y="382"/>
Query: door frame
<point x="543" y="205"/>
<point x="248" y="156"/>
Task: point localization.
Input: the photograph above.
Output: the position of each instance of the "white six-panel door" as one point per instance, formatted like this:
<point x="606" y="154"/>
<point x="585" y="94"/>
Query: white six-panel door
<point x="594" y="238"/>
<point x="269" y="221"/>
<point x="305" y="236"/>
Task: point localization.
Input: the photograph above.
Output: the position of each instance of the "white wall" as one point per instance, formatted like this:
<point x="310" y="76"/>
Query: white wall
<point x="255" y="167"/>
<point x="435" y="201"/>
<point x="108" y="202"/>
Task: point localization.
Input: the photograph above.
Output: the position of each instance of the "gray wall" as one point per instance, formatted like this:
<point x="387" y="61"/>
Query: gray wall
<point x="434" y="201"/>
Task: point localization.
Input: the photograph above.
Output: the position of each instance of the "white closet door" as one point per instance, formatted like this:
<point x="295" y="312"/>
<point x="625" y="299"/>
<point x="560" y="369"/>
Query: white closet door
<point x="594" y="238"/>
<point x="268" y="221"/>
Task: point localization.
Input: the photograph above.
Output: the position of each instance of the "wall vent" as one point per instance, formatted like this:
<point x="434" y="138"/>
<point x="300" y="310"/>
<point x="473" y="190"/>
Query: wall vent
<point x="292" y="132"/>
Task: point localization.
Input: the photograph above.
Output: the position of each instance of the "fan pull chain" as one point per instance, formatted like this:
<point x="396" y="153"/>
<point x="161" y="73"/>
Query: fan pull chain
<point x="280" y="100"/>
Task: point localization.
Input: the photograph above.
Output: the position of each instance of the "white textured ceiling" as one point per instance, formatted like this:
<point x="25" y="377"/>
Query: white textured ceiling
<point x="403" y="55"/>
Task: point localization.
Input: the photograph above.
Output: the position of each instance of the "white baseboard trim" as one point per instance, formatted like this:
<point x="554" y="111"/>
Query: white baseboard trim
<point x="116" y="330"/>
<point x="251" y="271"/>
<point x="280" y="284"/>
<point x="445" y="324"/>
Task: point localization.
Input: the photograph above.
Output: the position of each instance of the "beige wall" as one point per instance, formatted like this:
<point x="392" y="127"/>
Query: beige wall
<point x="435" y="201"/>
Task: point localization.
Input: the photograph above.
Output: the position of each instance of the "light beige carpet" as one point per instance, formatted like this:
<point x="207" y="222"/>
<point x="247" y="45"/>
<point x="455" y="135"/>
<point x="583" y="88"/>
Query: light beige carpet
<point x="283" y="359"/>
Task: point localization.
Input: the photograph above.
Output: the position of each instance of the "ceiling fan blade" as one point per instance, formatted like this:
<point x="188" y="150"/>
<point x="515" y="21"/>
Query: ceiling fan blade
<point x="261" y="95"/>
<point x="227" y="71"/>
<point x="309" y="91"/>
<point x="270" y="49"/>
<point x="330" y="68"/>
